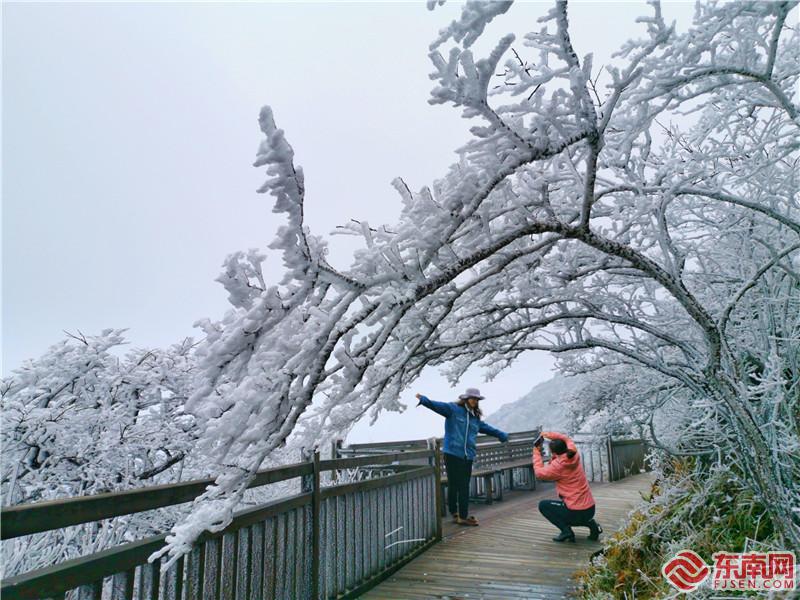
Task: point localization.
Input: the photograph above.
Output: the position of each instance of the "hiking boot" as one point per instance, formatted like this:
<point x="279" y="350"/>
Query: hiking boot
<point x="594" y="530"/>
<point x="565" y="536"/>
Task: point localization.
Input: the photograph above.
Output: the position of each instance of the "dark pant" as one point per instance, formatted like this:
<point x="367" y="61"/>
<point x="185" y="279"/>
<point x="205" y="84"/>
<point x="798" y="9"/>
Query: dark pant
<point x="562" y="517"/>
<point x="459" y="470"/>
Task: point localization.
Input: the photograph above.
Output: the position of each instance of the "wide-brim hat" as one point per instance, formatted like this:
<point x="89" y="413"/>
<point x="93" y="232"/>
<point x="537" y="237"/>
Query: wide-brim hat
<point x="471" y="393"/>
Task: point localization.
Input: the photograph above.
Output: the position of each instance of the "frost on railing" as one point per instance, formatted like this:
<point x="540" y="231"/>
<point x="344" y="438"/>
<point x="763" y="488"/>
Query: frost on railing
<point x="367" y="531"/>
<point x="305" y="535"/>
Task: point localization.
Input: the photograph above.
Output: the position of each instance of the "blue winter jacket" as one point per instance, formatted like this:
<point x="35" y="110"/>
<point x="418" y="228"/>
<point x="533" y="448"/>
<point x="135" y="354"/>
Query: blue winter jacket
<point x="460" y="428"/>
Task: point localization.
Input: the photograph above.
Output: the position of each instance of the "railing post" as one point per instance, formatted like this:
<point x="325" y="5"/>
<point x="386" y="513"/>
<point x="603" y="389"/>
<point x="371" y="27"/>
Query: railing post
<point x="306" y="481"/>
<point x="437" y="476"/>
<point x="315" y="518"/>
<point x="610" y="460"/>
<point x="596" y="443"/>
<point x="336" y="446"/>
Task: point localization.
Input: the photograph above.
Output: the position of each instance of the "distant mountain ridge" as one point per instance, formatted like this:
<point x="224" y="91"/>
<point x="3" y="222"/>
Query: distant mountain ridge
<point x="544" y="405"/>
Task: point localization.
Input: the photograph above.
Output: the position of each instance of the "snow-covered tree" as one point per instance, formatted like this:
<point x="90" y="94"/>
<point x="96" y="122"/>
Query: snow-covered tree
<point x="80" y="419"/>
<point x="579" y="219"/>
<point x="83" y="420"/>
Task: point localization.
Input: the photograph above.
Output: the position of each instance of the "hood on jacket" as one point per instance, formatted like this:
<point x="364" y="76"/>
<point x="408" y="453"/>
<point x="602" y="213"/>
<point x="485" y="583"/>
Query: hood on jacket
<point x="566" y="461"/>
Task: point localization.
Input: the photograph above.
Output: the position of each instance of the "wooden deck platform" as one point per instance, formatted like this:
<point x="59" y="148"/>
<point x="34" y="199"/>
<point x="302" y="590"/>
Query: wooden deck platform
<point x="511" y="555"/>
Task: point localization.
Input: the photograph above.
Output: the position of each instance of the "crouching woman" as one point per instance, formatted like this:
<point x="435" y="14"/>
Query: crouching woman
<point x="463" y="423"/>
<point x="576" y="504"/>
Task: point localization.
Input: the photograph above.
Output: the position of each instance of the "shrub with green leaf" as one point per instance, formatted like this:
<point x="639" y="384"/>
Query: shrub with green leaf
<point x="692" y="505"/>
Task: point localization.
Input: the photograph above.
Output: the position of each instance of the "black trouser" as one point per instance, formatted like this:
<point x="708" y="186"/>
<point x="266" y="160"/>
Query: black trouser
<point x="562" y="517"/>
<point x="459" y="470"/>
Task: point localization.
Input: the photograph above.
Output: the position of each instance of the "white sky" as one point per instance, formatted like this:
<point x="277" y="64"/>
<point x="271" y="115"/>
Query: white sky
<point x="129" y="131"/>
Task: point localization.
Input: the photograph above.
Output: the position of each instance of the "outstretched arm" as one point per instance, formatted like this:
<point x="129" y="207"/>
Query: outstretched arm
<point x="493" y="431"/>
<point x="443" y="408"/>
<point x="542" y="471"/>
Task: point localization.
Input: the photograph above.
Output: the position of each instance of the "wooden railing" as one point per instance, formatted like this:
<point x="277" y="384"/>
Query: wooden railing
<point x="608" y="459"/>
<point x="486" y="444"/>
<point x="333" y="541"/>
<point x="497" y="467"/>
<point x="595" y="454"/>
<point x="325" y="542"/>
<point x="604" y="458"/>
<point x="628" y="457"/>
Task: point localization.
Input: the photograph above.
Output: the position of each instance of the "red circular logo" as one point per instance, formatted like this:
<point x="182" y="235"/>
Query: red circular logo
<point x="686" y="571"/>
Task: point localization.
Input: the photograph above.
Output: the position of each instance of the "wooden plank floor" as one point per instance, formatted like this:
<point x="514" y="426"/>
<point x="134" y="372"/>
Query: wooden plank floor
<point x="511" y="555"/>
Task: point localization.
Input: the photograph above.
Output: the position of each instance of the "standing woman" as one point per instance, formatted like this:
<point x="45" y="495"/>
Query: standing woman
<point x="576" y="507"/>
<point x="462" y="425"/>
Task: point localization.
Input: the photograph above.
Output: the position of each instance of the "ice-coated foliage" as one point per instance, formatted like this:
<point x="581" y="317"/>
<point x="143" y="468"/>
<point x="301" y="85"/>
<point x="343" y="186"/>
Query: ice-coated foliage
<point x="80" y="419"/>
<point x="83" y="420"/>
<point x="579" y="219"/>
<point x="640" y="219"/>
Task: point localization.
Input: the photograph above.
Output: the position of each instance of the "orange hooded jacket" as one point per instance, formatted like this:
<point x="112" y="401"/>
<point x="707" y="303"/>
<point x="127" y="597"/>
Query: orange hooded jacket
<point x="571" y="484"/>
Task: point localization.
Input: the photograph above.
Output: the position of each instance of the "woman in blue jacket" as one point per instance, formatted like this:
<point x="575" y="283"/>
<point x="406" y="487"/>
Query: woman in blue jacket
<point x="462" y="425"/>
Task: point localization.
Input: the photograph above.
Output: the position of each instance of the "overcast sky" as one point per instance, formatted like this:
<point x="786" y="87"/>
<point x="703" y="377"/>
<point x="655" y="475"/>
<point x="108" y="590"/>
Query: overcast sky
<point x="129" y="132"/>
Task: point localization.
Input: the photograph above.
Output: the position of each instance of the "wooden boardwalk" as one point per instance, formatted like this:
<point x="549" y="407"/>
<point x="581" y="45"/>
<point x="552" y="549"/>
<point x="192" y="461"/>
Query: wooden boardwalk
<point x="511" y="555"/>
